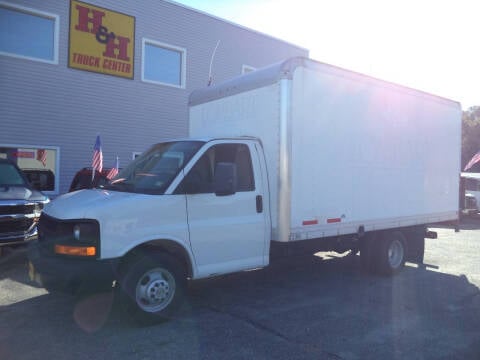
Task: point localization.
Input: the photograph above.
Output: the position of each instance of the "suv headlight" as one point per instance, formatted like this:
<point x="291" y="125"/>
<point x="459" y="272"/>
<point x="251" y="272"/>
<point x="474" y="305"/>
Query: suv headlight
<point x="39" y="205"/>
<point x="37" y="210"/>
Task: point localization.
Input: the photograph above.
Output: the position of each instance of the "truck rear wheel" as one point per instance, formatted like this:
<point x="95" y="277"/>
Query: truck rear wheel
<point x="391" y="253"/>
<point x="152" y="287"/>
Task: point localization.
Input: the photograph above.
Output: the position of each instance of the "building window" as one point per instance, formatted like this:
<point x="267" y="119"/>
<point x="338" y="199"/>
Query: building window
<point x="163" y="64"/>
<point x="28" y="33"/>
<point x="38" y="163"/>
<point x="247" y="69"/>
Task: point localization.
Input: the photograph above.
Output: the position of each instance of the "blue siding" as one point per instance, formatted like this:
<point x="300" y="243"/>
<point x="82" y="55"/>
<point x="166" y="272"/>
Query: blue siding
<point x="53" y="105"/>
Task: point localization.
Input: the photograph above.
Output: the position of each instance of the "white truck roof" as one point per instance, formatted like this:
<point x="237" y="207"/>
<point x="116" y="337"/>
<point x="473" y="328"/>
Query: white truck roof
<point x="284" y="70"/>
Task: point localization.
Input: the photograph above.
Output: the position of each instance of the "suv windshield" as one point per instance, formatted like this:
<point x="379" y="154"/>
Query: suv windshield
<point x="9" y="175"/>
<point x="154" y="170"/>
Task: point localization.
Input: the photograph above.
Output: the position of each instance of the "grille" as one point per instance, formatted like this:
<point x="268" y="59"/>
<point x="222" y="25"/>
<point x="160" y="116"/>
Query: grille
<point x="17" y="209"/>
<point x="14" y="220"/>
<point x="14" y="226"/>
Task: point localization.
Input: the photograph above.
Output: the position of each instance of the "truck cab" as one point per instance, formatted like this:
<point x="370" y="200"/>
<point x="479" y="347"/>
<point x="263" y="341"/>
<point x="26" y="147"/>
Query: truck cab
<point x="200" y="207"/>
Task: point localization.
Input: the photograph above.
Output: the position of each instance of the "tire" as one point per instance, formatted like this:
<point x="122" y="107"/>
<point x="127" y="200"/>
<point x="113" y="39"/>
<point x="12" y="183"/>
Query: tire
<point x="391" y="253"/>
<point x="152" y="287"/>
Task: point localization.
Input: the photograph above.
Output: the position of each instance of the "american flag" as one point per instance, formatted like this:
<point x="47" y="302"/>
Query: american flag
<point x="113" y="171"/>
<point x="473" y="161"/>
<point x="42" y="156"/>
<point x="97" y="161"/>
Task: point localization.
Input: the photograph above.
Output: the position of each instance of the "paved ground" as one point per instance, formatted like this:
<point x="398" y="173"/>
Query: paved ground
<point x="313" y="307"/>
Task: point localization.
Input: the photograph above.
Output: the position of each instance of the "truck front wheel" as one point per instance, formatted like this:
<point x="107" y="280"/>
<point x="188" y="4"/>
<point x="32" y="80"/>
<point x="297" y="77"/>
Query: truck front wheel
<point x="391" y="253"/>
<point x="152" y="287"/>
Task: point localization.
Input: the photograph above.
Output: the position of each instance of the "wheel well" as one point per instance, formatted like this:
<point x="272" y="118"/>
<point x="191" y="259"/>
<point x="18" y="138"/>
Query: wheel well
<point x="413" y="241"/>
<point x="165" y="246"/>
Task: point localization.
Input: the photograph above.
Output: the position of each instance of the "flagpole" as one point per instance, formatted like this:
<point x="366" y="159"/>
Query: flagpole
<point x="97" y="159"/>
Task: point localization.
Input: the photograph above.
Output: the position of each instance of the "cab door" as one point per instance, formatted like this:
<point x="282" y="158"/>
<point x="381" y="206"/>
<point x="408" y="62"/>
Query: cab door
<point x="229" y="231"/>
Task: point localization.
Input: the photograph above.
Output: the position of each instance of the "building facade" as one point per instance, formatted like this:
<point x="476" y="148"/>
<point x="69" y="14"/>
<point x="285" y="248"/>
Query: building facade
<point x="72" y="70"/>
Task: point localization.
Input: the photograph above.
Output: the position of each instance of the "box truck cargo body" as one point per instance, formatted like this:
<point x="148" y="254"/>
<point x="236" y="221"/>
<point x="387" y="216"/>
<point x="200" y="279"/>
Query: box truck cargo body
<point x="343" y="150"/>
<point x="297" y="156"/>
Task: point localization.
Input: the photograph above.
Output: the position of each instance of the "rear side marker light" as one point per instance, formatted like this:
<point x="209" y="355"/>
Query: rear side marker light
<point x="334" y="220"/>
<point x="75" y="250"/>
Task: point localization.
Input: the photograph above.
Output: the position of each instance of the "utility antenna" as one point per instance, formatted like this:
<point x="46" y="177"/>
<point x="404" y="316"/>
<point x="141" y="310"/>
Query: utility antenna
<point x="210" y="79"/>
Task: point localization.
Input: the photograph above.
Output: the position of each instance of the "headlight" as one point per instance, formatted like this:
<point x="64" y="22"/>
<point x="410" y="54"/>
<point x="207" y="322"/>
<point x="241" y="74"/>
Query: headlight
<point x="37" y="210"/>
<point x="39" y="207"/>
<point x="86" y="232"/>
<point x="76" y="232"/>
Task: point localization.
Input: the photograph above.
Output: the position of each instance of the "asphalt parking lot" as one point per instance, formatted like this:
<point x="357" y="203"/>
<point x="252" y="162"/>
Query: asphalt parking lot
<point x="310" y="307"/>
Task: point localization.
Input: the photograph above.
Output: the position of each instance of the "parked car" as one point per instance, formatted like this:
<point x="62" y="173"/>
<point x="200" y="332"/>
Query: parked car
<point x="83" y="179"/>
<point x="20" y="205"/>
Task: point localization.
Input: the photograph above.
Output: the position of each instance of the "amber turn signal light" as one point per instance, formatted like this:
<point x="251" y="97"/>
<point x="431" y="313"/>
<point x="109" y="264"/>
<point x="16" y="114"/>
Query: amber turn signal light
<point x="75" y="250"/>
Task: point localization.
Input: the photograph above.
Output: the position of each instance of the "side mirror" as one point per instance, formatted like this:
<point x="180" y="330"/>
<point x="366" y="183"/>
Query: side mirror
<point x="225" y="179"/>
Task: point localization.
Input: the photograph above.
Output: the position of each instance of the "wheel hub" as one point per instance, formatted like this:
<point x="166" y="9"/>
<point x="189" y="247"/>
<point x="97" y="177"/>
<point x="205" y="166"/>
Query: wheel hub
<point x="395" y="254"/>
<point x="158" y="291"/>
<point x="155" y="290"/>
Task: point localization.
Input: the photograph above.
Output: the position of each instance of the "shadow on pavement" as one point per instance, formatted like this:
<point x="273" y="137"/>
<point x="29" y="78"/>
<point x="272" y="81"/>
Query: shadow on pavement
<point x="306" y="308"/>
<point x="12" y="256"/>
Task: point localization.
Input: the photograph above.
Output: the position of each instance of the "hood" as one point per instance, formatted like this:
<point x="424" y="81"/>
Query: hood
<point x="85" y="203"/>
<point x="9" y="192"/>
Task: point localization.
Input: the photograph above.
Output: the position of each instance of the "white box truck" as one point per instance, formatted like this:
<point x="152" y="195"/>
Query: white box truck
<point x="299" y="155"/>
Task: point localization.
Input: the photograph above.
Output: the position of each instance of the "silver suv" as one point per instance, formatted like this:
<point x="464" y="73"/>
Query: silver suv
<point x="20" y="206"/>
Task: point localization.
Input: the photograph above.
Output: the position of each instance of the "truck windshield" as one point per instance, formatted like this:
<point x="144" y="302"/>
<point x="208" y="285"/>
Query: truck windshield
<point x="154" y="170"/>
<point x="10" y="176"/>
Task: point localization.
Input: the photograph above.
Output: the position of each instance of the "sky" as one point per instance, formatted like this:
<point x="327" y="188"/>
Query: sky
<point x="430" y="45"/>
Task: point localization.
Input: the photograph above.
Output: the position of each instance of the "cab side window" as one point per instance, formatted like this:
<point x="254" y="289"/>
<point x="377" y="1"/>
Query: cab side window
<point x="199" y="180"/>
<point x="245" y="180"/>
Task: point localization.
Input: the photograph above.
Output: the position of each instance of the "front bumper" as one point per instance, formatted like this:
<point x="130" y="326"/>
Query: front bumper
<point x="56" y="272"/>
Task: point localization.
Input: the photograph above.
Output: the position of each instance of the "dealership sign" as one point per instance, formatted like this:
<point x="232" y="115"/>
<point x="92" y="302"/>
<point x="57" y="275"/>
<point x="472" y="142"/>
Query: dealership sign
<point x="101" y="40"/>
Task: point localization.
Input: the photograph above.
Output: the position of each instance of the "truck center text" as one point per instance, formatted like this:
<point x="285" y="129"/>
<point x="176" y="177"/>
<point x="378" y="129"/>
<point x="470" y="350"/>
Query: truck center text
<point x="107" y="64"/>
